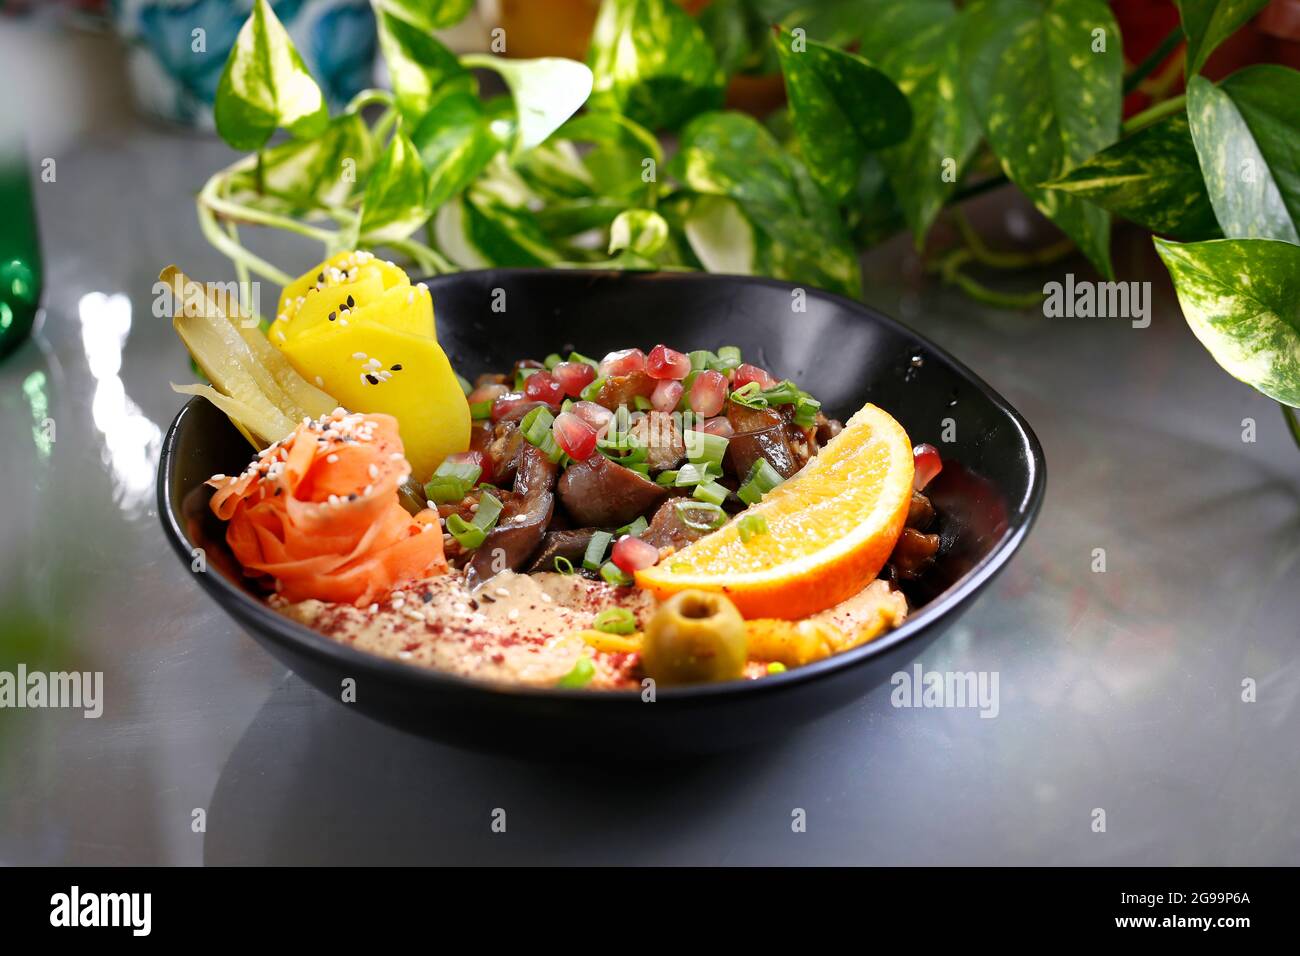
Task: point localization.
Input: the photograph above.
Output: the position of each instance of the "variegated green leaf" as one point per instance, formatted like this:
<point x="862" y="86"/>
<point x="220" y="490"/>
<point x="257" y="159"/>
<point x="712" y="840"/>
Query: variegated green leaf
<point x="1245" y="131"/>
<point x="420" y="68"/>
<point x="456" y="140"/>
<point x="394" y="206"/>
<point x="841" y="107"/>
<point x="640" y="231"/>
<point x="1242" y="299"/>
<point x="265" y="86"/>
<point x="799" y="235"/>
<point x="1207" y="23"/>
<point x="428" y="15"/>
<point x="1151" y="178"/>
<point x="547" y="91"/>
<point x="1044" y="77"/>
<point x="918" y="44"/>
<point x="653" y="63"/>
<point x="301" y="175"/>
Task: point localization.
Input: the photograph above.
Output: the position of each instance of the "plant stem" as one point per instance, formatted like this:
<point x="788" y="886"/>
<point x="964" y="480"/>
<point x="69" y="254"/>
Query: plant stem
<point x="1292" y="422"/>
<point x="1153" y="59"/>
<point x="1153" y="113"/>
<point x="1009" y="260"/>
<point x="977" y="189"/>
<point x="366" y="98"/>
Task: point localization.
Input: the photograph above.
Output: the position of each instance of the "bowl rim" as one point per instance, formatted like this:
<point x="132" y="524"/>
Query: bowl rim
<point x="304" y="640"/>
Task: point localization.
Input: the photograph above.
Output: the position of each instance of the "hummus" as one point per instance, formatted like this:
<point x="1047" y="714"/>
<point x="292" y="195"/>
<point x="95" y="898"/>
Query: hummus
<point x="527" y="628"/>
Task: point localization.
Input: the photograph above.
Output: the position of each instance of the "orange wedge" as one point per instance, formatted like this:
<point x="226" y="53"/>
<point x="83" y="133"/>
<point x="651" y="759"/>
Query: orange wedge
<point x="831" y="529"/>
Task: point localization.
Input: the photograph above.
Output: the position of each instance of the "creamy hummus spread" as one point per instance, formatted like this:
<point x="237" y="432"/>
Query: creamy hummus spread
<point x="526" y="628"/>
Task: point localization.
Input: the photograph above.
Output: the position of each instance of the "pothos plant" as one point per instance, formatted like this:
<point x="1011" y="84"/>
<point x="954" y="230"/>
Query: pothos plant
<point x="897" y="109"/>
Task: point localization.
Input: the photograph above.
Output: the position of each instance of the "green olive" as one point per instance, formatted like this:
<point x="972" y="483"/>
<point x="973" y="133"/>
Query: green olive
<point x="694" y="636"/>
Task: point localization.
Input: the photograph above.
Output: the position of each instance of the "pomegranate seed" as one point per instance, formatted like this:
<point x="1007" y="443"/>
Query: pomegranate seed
<point x="624" y="362"/>
<point x="718" y="426"/>
<point x="927" y="463"/>
<point x="573" y="377"/>
<point x="633" y="555"/>
<point x="666" y="363"/>
<point x="542" y="387"/>
<point x="487" y="393"/>
<point x="708" y="393"/>
<point x="666" y="395"/>
<point x="597" y="416"/>
<point x="576" y="437"/>
<point x="513" y="406"/>
<point x="747" y="373"/>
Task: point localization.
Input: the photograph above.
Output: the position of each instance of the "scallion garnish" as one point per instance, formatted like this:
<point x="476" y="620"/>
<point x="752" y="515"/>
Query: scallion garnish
<point x="711" y="492"/>
<point x="552" y="360"/>
<point x="702" y="359"/>
<point x="464" y="384"/>
<point x="703" y="448"/>
<point x="701" y="515"/>
<point x="452" y="481"/>
<point x="596" y="548"/>
<point x="642" y="403"/>
<point x="590" y="393"/>
<point x="750" y="395"/>
<point x="537" y="430"/>
<point x="471" y="534"/>
<point x="784" y="393"/>
<point x="563" y="565"/>
<point x="614" y="575"/>
<point x="696" y="473"/>
<point x="750" y="525"/>
<point x="580" y="676"/>
<point x="761" y="479"/>
<point x="480" y="410"/>
<point x="633" y="528"/>
<point x="615" y="620"/>
<point x="728" y="358"/>
<point x="805" y="410"/>
<point x="579" y="357"/>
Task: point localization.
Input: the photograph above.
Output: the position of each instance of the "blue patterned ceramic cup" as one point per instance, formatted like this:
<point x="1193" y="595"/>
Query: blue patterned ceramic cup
<point x="178" y="49"/>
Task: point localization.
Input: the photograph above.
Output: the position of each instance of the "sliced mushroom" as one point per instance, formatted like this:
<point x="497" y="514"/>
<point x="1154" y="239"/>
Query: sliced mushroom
<point x="524" y="517"/>
<point x="600" y="493"/>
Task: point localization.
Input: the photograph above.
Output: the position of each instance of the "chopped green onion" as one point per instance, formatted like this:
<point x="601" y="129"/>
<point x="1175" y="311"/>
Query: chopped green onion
<point x="464" y="384"/>
<point x="696" y="473"/>
<point x="480" y="410"/>
<point x="633" y="528"/>
<point x="711" y="492"/>
<point x="690" y="512"/>
<point x="537" y="429"/>
<point x="667" y="478"/>
<point x="563" y="565"/>
<point x="751" y="525"/>
<point x="761" y="479"/>
<point x="580" y="676"/>
<point x="702" y="359"/>
<point x="750" y="395"/>
<point x="785" y="393"/>
<point x="596" y="548"/>
<point x="452" y="481"/>
<point x="469" y="536"/>
<point x="805" y="411"/>
<point x="640" y="467"/>
<point x="489" y="509"/>
<point x="579" y="357"/>
<point x="592" y="390"/>
<point x="614" y="575"/>
<point x="703" y="447"/>
<point x="728" y="358"/>
<point x="552" y="360"/>
<point x="642" y="403"/>
<point x="566" y="405"/>
<point x="615" y="620"/>
<point x="776" y="667"/>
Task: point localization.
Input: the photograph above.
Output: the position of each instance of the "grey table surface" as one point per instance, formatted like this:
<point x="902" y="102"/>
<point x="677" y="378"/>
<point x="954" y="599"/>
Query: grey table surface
<point x="1120" y="691"/>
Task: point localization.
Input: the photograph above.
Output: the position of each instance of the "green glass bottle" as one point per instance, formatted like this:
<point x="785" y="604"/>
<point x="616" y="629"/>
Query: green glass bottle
<point x="20" y="253"/>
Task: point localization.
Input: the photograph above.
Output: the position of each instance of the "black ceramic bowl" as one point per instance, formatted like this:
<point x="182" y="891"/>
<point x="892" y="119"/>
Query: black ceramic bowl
<point x="988" y="495"/>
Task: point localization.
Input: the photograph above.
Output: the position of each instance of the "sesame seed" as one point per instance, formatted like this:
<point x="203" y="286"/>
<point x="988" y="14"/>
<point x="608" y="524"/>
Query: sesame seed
<point x="372" y="380"/>
<point x="320" y="381"/>
<point x="360" y="356"/>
